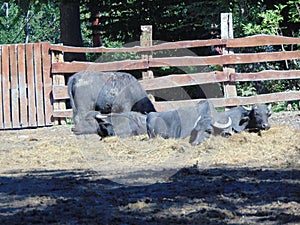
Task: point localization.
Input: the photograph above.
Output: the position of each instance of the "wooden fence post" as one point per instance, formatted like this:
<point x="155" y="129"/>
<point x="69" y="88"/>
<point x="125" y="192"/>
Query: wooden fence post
<point x="58" y="79"/>
<point x="227" y="33"/>
<point x="146" y="41"/>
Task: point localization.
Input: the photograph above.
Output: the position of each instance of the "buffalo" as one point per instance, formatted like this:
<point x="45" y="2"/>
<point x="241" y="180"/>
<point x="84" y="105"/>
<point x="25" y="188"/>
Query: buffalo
<point x="199" y="122"/>
<point x="106" y="92"/>
<point x="124" y="124"/>
<point x="253" y="119"/>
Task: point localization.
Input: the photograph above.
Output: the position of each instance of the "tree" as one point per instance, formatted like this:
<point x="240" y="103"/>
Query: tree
<point x="70" y="27"/>
<point x="20" y="25"/>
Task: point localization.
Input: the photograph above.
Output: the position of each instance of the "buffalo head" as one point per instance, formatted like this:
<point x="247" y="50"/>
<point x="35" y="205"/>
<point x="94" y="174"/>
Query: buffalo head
<point x="205" y="126"/>
<point x="94" y="123"/>
<point x="258" y="117"/>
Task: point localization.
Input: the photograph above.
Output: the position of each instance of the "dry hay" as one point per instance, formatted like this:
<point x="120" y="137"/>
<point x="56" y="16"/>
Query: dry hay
<point x="278" y="146"/>
<point x="58" y="148"/>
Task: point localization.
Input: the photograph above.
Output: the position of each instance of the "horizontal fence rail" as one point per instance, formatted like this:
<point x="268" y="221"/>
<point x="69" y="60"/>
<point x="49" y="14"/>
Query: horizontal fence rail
<point x="251" y="41"/>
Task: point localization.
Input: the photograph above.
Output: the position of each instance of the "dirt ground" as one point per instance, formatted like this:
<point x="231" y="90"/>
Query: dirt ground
<point x="50" y="176"/>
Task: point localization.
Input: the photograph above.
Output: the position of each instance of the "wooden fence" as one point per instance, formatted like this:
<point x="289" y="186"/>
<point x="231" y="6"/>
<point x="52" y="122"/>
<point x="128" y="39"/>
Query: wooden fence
<point x="33" y="79"/>
<point x="225" y="76"/>
<point x="25" y="86"/>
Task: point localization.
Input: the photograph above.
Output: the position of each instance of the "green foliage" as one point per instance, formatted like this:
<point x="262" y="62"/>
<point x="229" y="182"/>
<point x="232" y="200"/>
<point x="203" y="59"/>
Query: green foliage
<point x="10" y="26"/>
<point x="270" y="22"/>
<point x="37" y="22"/>
<point x="294" y="11"/>
<point x="246" y="89"/>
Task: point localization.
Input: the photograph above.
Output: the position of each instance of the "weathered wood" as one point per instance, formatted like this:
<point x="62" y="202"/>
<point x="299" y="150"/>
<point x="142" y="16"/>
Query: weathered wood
<point x="227" y="33"/>
<point x="58" y="79"/>
<point x="159" y="47"/>
<point x="261" y="40"/>
<point x="22" y="86"/>
<point x="73" y="67"/>
<point x="234" y="101"/>
<point x="39" y="84"/>
<point x="14" y="86"/>
<point x="6" y="87"/>
<point x="47" y="81"/>
<point x="60" y="92"/>
<point x="183" y="80"/>
<point x="251" y="41"/>
<point x="225" y="59"/>
<point x="264" y="98"/>
<point x="266" y="75"/>
<point x="62" y="113"/>
<point x="32" y="113"/>
<point x="146" y="41"/>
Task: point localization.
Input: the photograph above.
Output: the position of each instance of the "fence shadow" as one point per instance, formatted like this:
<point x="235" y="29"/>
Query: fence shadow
<point x="191" y="196"/>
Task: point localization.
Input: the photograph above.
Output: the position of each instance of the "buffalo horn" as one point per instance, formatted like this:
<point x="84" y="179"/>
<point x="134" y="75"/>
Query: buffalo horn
<point x="221" y="125"/>
<point x="100" y="116"/>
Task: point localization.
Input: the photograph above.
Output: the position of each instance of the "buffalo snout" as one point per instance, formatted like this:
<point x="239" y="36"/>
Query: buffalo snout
<point x="265" y="126"/>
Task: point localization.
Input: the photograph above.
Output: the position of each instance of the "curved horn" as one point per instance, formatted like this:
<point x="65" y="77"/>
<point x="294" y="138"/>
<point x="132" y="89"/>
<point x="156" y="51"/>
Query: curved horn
<point x="247" y="108"/>
<point x="199" y="118"/>
<point x="221" y="125"/>
<point x="100" y="116"/>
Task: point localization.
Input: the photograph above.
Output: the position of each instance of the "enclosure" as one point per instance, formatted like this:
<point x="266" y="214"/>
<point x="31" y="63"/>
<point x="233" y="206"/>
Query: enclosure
<point x="50" y="176"/>
<point x="33" y="88"/>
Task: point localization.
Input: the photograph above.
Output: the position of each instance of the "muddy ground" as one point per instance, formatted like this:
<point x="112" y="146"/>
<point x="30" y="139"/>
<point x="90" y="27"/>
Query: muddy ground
<point x="49" y="176"/>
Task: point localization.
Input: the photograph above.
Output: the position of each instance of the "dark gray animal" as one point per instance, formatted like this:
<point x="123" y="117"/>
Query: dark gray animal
<point x="179" y="123"/>
<point x="211" y="123"/>
<point x="106" y="92"/>
<point x="255" y="118"/>
<point x="124" y="124"/>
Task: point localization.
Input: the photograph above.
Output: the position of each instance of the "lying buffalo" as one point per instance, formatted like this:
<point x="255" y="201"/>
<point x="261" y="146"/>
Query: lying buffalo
<point x="199" y="122"/>
<point x="114" y="124"/>
<point x="255" y="118"/>
<point x="106" y="92"/>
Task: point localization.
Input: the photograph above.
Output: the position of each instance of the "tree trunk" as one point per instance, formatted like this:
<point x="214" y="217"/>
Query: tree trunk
<point x="94" y="7"/>
<point x="70" y="28"/>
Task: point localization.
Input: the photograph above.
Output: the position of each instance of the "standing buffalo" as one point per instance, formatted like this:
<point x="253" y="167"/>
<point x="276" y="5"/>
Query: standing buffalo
<point x="202" y="119"/>
<point x="255" y="118"/>
<point x="106" y="92"/>
<point x="114" y="124"/>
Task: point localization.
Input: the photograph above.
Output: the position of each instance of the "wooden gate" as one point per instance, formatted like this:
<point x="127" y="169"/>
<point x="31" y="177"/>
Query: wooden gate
<point x="25" y="86"/>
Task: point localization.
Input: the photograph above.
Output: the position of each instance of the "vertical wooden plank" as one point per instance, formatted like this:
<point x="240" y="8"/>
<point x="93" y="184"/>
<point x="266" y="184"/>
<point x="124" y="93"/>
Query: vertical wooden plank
<point x="32" y="119"/>
<point x="47" y="82"/>
<point x="1" y="103"/>
<point x="39" y="95"/>
<point x="58" y="79"/>
<point x="14" y="86"/>
<point x="227" y="33"/>
<point x="6" y="87"/>
<point x="146" y="41"/>
<point x="22" y="86"/>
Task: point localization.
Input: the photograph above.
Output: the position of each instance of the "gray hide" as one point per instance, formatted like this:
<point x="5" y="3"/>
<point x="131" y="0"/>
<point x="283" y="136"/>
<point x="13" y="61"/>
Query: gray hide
<point x="124" y="124"/>
<point x="106" y="92"/>
<point x="179" y="123"/>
